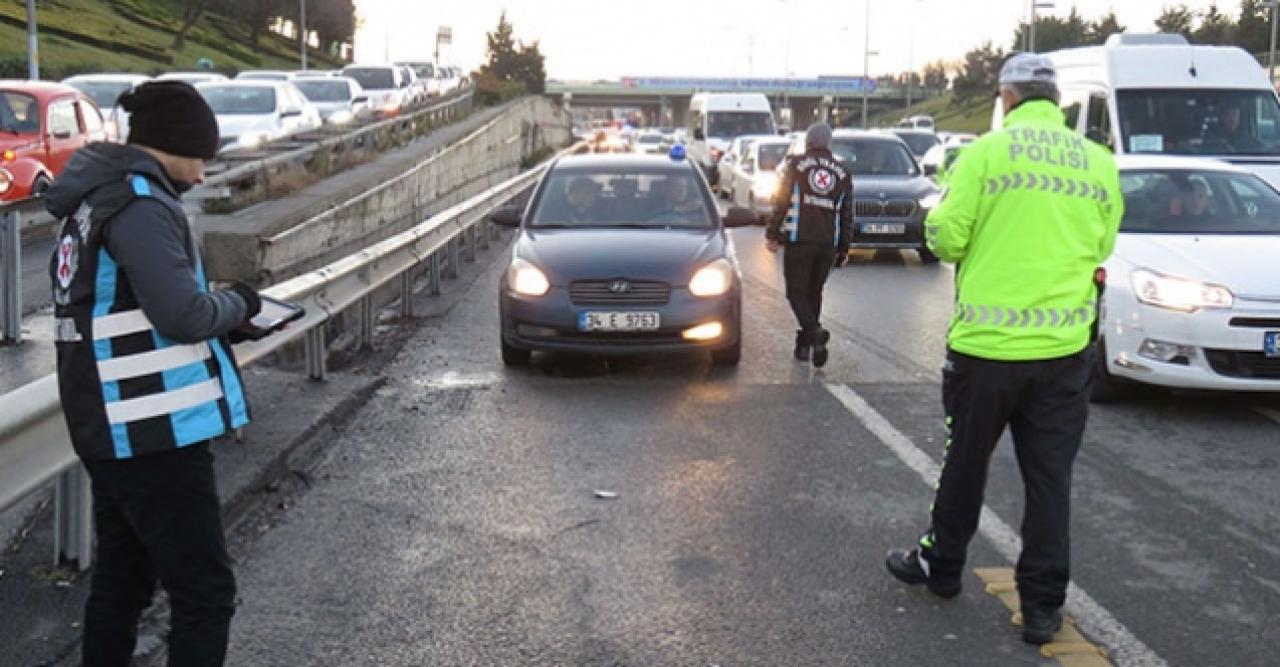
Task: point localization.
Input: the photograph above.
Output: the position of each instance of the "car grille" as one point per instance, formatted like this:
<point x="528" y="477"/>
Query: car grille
<point x="607" y="292"/>
<point x="1256" y="322"/>
<point x="875" y="208"/>
<point x="1236" y="364"/>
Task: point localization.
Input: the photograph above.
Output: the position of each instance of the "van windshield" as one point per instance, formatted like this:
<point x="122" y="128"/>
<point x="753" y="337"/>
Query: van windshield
<point x="1200" y="122"/>
<point x="730" y="124"/>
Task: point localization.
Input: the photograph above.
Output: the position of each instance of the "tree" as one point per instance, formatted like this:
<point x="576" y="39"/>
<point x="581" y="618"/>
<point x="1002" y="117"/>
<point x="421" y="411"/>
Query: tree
<point x="334" y="21"/>
<point x="191" y="11"/>
<point x="1253" y="28"/>
<point x="1103" y="28"/>
<point x="1053" y="33"/>
<point x="1177" y="19"/>
<point x="1215" y="27"/>
<point x="935" y="76"/>
<point x="979" y="73"/>
<point x="513" y="67"/>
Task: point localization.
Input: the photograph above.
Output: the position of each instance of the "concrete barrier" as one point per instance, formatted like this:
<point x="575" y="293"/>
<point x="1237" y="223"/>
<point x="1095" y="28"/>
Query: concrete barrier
<point x="269" y="250"/>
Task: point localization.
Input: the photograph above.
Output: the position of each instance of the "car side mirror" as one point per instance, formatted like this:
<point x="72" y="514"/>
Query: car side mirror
<point x="930" y="169"/>
<point x="362" y="99"/>
<point x="749" y="167"/>
<point x="62" y="134"/>
<point x="698" y="134"/>
<point x="506" y="216"/>
<point x="289" y="113"/>
<point x="740" y="217"/>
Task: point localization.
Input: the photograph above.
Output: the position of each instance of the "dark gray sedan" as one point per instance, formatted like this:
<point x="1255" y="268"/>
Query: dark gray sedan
<point x="621" y="254"/>
<point x="892" y="194"/>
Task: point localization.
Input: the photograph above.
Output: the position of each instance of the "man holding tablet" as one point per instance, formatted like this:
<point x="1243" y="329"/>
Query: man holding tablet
<point x="147" y="376"/>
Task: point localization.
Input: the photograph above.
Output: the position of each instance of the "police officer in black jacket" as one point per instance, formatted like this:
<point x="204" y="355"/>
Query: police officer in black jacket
<point x="815" y="224"/>
<point x="147" y="377"/>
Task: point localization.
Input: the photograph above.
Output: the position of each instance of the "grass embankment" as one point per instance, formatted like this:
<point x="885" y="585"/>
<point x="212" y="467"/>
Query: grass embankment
<point x="135" y="36"/>
<point x="972" y="116"/>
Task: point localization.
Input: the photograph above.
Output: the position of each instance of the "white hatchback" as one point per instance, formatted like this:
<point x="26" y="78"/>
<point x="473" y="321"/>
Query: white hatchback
<point x="251" y="113"/>
<point x="1192" y="294"/>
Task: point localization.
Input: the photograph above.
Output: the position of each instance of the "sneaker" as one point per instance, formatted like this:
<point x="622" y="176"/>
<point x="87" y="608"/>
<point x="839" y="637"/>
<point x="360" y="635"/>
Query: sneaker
<point x="910" y="568"/>
<point x="820" y="339"/>
<point x="803" y="349"/>
<point x="1040" y="625"/>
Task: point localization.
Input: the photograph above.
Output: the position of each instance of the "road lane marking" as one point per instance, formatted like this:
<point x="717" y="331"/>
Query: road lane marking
<point x="1068" y="647"/>
<point x="1273" y="415"/>
<point x="1126" y="649"/>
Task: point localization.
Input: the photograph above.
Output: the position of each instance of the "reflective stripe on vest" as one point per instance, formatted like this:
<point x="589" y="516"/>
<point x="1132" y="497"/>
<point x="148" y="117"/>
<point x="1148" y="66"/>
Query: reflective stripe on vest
<point x="1022" y="318"/>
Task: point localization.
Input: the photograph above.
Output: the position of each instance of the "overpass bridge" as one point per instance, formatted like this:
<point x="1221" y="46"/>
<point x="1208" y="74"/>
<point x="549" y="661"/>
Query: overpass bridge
<point x="664" y="101"/>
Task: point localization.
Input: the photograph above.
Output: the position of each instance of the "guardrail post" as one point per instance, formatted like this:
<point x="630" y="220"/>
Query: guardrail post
<point x="317" y="352"/>
<point x="366" y="322"/>
<point x="455" y="255"/>
<point x="73" y="519"/>
<point x="406" y="293"/>
<point x="471" y="243"/>
<point x="483" y="233"/>
<point x="433" y="274"/>
<point x="11" y="288"/>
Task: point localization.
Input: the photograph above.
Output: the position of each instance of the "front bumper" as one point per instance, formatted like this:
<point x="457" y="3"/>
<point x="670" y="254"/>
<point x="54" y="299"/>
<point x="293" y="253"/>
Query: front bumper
<point x="912" y="236"/>
<point x="550" y="322"/>
<point x="1225" y="346"/>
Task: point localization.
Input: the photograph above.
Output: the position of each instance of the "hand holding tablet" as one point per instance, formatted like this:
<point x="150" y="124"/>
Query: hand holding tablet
<point x="273" y="317"/>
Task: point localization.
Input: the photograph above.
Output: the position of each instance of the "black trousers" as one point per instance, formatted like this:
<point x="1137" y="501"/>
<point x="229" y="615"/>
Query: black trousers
<point x="1045" y="405"/>
<point x="158" y="519"/>
<point x="806" y="267"/>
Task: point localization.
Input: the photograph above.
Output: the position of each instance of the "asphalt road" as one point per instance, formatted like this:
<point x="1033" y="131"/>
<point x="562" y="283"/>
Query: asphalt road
<point x="456" y="521"/>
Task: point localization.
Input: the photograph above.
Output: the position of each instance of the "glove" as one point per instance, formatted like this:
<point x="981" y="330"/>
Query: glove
<point x="251" y="299"/>
<point x="842" y="258"/>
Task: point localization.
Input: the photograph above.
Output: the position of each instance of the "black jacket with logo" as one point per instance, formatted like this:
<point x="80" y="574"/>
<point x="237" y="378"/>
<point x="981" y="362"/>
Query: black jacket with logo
<point x="816" y="202"/>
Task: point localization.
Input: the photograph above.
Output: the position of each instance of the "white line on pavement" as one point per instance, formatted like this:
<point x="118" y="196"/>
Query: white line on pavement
<point x="1273" y="415"/>
<point x="1090" y="616"/>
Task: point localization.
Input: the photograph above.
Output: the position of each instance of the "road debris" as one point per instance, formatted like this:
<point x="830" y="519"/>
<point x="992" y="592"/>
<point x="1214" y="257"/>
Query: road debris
<point x="606" y="495"/>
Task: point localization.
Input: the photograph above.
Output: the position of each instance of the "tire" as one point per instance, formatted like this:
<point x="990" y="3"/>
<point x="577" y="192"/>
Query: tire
<point x="729" y="356"/>
<point x="927" y="256"/>
<point x="514" y="356"/>
<point x="40" y="186"/>
<point x="1106" y="387"/>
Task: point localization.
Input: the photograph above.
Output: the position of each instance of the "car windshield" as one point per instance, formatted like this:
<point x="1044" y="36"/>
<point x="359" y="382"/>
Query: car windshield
<point x="233" y="100"/>
<point x="730" y="124"/>
<point x="919" y="142"/>
<point x="649" y="139"/>
<point x="874" y="157"/>
<point x="771" y="156"/>
<point x="1198" y="202"/>
<point x="1200" y="122"/>
<point x="372" y="78"/>
<point x="19" y="113"/>
<point x="262" y="76"/>
<point x="324" y="91"/>
<point x="103" y="93"/>
<point x="673" y="200"/>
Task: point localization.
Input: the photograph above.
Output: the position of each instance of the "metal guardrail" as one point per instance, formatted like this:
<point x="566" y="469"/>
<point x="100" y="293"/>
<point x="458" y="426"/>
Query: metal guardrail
<point x="35" y="447"/>
<point x="12" y="216"/>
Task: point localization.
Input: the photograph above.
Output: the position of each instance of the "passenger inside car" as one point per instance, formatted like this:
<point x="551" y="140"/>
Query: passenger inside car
<point x="1192" y="201"/>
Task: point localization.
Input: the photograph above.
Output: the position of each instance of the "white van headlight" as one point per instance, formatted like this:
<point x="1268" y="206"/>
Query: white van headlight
<point x="342" y="118"/>
<point x="1163" y="291"/>
<point x="713" y="279"/>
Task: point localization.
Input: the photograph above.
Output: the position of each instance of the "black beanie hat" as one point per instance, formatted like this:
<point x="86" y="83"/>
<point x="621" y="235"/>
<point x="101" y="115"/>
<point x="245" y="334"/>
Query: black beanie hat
<point x="171" y="116"/>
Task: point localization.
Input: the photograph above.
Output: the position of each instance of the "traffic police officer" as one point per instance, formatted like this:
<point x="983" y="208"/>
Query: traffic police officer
<point x="1029" y="215"/>
<point x="818" y="219"/>
<point x="147" y="377"/>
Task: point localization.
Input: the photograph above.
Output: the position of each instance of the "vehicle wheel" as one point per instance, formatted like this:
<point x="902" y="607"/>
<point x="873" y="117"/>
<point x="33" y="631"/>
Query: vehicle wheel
<point x="40" y="186"/>
<point x="514" y="356"/>
<point x="927" y="256"/>
<point x="1107" y="388"/>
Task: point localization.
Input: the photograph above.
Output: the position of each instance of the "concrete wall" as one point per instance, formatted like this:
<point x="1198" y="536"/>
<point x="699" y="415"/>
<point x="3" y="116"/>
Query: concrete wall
<point x="263" y="252"/>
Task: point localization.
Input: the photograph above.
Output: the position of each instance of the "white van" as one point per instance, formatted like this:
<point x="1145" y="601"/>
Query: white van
<point x="716" y="118"/>
<point x="1158" y="94"/>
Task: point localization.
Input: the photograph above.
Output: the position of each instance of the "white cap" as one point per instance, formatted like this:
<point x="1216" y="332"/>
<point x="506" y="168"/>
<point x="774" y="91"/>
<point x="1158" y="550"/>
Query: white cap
<point x="1028" y="68"/>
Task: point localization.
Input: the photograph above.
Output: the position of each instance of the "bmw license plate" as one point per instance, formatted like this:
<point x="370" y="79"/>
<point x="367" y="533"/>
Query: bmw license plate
<point x="1271" y="344"/>
<point x="618" y="321"/>
<point x="883" y="228"/>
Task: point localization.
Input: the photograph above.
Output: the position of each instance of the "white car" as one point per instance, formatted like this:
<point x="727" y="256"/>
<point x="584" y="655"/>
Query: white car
<point x="252" y="113"/>
<point x="264" y="75"/>
<point x="105" y="90"/>
<point x="956" y="138"/>
<point x="191" y="77"/>
<point x="755" y="176"/>
<point x="339" y="99"/>
<point x="647" y="142"/>
<point x="1192" y="296"/>
<point x="728" y="163"/>
<point x="385" y="85"/>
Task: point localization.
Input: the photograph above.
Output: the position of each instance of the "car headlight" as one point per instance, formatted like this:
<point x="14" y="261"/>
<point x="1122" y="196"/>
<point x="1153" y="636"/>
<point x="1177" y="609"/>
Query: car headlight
<point x="765" y="185"/>
<point x="6" y="181"/>
<point x="342" y="118"/>
<point x="713" y="279"/>
<point x="931" y="201"/>
<point x="1156" y="289"/>
<point x="526" y="279"/>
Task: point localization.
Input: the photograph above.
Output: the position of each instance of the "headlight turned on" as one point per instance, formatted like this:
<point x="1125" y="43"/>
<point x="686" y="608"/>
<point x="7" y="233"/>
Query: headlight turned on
<point x="1188" y="296"/>
<point x="526" y="279"/>
<point x="342" y="118"/>
<point x="6" y="181"/>
<point x="765" y="185"/>
<point x="713" y="279"/>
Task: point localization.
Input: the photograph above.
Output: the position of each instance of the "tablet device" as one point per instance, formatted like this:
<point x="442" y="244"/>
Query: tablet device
<point x="274" y="315"/>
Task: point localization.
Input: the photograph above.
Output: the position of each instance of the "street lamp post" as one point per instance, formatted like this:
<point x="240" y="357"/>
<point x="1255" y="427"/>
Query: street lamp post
<point x="33" y="44"/>
<point x="866" y="63"/>
<point x="1031" y="30"/>
<point x="302" y="31"/>
<point x="1271" y="58"/>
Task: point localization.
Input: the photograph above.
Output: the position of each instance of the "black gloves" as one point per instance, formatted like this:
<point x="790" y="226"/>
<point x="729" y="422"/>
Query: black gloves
<point x="842" y="258"/>
<point x="251" y="299"/>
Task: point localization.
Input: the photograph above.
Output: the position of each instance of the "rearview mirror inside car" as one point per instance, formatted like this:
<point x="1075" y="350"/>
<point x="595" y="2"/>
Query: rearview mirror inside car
<point x="506" y="216"/>
<point x="740" y="217"/>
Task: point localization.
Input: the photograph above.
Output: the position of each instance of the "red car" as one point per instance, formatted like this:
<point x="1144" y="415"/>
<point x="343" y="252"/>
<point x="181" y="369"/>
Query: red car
<point x="41" y="125"/>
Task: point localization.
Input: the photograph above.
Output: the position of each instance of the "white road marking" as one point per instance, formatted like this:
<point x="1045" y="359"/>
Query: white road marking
<point x="455" y="380"/>
<point x="1273" y="415"/>
<point x="1126" y="649"/>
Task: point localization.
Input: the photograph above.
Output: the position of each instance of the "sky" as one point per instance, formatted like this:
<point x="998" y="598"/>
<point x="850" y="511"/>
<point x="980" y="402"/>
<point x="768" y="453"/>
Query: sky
<point x="730" y="38"/>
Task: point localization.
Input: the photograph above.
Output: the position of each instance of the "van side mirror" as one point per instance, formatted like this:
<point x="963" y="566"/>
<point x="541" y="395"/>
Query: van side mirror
<point x="930" y="169"/>
<point x="62" y="134"/>
<point x="1098" y="137"/>
<point x="506" y="216"/>
<point x="698" y="134"/>
<point x="289" y="113"/>
<point x="740" y="217"/>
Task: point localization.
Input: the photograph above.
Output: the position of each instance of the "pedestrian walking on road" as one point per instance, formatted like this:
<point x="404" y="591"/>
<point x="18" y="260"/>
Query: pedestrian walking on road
<point x="815" y="225"/>
<point x="1029" y="215"/>
<point x="147" y="376"/>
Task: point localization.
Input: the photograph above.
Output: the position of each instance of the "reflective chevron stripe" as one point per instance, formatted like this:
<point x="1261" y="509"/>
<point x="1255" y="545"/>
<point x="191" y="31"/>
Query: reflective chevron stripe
<point x="1024" y="318"/>
<point x="1031" y="181"/>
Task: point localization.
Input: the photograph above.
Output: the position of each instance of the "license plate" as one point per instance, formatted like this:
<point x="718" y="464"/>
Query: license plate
<point x="1271" y="344"/>
<point x="618" y="321"/>
<point x="883" y="228"/>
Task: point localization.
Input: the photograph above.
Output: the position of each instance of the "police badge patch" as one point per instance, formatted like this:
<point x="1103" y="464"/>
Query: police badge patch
<point x="821" y="181"/>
